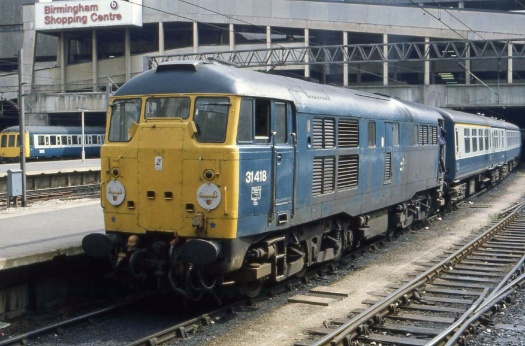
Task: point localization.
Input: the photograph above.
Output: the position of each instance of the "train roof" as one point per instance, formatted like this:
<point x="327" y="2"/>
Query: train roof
<point x="58" y="130"/>
<point x="469" y="118"/>
<point x="200" y="77"/>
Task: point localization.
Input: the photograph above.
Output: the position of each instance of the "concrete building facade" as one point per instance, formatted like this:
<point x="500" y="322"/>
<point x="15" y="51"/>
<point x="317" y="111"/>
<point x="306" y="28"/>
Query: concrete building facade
<point x="459" y="54"/>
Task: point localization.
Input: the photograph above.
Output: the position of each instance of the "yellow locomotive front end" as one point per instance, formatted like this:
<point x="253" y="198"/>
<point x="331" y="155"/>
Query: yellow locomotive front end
<point x="169" y="184"/>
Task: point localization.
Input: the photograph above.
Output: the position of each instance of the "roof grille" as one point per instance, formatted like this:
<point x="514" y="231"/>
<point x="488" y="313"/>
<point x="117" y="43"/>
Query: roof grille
<point x="190" y="66"/>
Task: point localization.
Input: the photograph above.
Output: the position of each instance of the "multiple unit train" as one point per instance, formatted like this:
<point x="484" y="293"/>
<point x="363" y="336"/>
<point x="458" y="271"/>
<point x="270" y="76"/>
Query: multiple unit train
<point x="214" y="175"/>
<point x="45" y="142"/>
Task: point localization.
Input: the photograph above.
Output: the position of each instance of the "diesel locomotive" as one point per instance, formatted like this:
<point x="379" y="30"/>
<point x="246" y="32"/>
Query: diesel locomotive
<point x="216" y="176"/>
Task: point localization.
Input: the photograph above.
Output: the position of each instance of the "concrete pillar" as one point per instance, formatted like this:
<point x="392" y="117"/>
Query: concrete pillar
<point x="426" y="77"/>
<point x="509" y="63"/>
<point x="268" y="46"/>
<point x="385" y="64"/>
<point x="161" y="38"/>
<point x="268" y="37"/>
<point x="94" y="59"/>
<point x="127" y="53"/>
<point x="467" y="65"/>
<point x="345" y="64"/>
<point x="461" y="4"/>
<point x="29" y="45"/>
<point x="195" y="37"/>
<point x="62" y="61"/>
<point x="306" y="56"/>
<point x="232" y="36"/>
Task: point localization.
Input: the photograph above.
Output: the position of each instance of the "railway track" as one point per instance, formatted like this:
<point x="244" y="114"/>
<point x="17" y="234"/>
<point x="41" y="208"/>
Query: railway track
<point x="64" y="193"/>
<point x="445" y="302"/>
<point x="185" y="327"/>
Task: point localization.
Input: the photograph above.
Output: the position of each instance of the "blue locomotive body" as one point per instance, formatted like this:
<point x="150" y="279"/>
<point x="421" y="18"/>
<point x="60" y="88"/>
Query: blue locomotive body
<point x="258" y="176"/>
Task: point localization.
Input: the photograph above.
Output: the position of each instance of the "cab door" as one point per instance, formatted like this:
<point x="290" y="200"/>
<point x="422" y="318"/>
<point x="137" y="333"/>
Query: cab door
<point x="283" y="162"/>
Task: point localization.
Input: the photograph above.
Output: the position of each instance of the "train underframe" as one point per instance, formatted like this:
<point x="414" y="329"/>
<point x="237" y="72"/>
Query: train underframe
<point x="250" y="262"/>
<point x="206" y="266"/>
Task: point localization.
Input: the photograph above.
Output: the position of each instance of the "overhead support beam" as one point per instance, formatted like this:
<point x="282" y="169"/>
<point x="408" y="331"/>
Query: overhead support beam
<point x="426" y="51"/>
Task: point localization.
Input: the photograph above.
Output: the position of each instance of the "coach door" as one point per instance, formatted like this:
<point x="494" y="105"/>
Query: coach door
<point x="283" y="166"/>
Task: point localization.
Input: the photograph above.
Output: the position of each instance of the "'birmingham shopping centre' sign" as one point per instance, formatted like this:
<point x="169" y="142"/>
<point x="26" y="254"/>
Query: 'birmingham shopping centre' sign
<point x="85" y="14"/>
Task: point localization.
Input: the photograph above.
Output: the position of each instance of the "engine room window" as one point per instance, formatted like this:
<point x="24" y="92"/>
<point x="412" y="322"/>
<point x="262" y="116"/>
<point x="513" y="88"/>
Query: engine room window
<point x="262" y="121"/>
<point x="245" y="127"/>
<point x="280" y="123"/>
<point x="211" y="118"/>
<point x="395" y="134"/>
<point x="371" y="133"/>
<point x="123" y="114"/>
<point x="168" y="107"/>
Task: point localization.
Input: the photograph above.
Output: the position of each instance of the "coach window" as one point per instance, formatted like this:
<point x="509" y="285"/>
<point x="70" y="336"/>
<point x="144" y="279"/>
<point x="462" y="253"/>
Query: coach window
<point x="211" y="118"/>
<point x="371" y="133"/>
<point x="3" y="142"/>
<point x="168" y="107"/>
<point x="467" y="140"/>
<point x="11" y="141"/>
<point x="123" y="114"/>
<point x="245" y="127"/>
<point x="480" y="139"/>
<point x="474" y="140"/>
<point x="415" y="135"/>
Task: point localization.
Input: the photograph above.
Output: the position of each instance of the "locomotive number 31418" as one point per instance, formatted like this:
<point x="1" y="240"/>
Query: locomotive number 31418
<point x="255" y="176"/>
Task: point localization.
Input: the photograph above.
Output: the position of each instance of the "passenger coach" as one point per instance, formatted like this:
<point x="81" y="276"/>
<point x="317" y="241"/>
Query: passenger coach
<point x="480" y="150"/>
<point x="44" y="142"/>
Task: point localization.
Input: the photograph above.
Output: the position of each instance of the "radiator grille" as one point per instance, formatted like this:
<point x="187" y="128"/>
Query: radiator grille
<point x="323" y="133"/>
<point x="347" y="172"/>
<point x="388" y="167"/>
<point x="348" y="133"/>
<point x="434" y="135"/>
<point x="323" y="175"/>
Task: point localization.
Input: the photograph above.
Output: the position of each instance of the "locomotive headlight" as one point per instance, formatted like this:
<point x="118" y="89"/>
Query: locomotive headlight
<point x="115" y="172"/>
<point x="209" y="174"/>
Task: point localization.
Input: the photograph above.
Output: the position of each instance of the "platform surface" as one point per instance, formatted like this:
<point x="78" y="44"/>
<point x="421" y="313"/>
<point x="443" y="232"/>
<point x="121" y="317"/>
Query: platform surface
<point x="53" y="167"/>
<point x="40" y="232"/>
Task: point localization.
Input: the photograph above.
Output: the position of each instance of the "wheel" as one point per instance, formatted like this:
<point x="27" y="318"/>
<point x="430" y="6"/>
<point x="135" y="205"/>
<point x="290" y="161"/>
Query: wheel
<point x="252" y="289"/>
